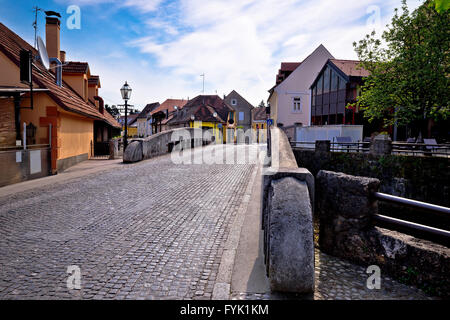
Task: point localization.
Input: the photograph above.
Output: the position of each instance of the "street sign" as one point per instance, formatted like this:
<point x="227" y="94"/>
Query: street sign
<point x="270" y="122"/>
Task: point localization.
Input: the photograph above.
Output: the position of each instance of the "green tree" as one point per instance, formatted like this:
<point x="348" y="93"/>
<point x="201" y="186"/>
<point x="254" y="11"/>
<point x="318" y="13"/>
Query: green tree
<point x="113" y="110"/>
<point x="409" y="81"/>
<point x="262" y="104"/>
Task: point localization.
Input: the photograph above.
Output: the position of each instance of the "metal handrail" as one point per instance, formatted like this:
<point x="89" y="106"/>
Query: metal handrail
<point x="413" y="225"/>
<point x="411" y="203"/>
<point x="414" y="204"/>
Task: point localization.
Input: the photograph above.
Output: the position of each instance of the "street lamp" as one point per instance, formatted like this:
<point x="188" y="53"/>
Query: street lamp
<point x="126" y="93"/>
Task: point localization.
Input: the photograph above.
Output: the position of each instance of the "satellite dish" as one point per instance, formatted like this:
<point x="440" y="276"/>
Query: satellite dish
<point x="43" y="53"/>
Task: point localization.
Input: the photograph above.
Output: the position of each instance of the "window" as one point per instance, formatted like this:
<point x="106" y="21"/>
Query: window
<point x="241" y="116"/>
<point x="326" y="80"/>
<point x="319" y="85"/>
<point x="297" y="104"/>
<point x="334" y="81"/>
<point x="233" y="102"/>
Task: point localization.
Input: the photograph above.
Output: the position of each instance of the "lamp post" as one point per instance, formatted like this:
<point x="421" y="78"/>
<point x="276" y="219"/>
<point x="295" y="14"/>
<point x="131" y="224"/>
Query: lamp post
<point x="126" y="93"/>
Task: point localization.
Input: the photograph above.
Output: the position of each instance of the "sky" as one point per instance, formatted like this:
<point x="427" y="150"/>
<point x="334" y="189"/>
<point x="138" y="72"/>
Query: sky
<point x="162" y="47"/>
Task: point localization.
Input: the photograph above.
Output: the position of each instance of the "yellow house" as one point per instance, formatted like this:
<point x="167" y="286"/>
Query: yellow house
<point x="207" y="112"/>
<point x="259" y="125"/>
<point x="77" y="122"/>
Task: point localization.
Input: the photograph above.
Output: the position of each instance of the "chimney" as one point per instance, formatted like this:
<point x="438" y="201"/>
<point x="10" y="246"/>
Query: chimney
<point x="63" y="56"/>
<point x="52" y="30"/>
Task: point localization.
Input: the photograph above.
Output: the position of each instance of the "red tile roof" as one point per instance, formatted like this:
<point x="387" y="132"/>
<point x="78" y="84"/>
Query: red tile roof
<point x="350" y="68"/>
<point x="75" y="67"/>
<point x="65" y="96"/>
<point x="289" y="66"/>
<point x="285" y="70"/>
<point x="170" y="104"/>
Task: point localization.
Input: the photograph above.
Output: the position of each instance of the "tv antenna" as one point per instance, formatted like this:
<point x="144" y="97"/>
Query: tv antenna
<point x="36" y="10"/>
<point x="203" y="75"/>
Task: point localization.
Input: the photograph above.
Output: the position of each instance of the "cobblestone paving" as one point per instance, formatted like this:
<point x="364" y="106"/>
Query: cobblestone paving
<point x="151" y="230"/>
<point x="337" y="279"/>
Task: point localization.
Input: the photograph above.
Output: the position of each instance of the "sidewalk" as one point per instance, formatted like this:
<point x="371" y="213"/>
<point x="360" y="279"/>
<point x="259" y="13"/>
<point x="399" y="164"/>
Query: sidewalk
<point x="76" y="171"/>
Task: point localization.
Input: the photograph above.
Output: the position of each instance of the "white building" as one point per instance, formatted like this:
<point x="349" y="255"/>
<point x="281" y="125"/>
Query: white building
<point x="290" y="98"/>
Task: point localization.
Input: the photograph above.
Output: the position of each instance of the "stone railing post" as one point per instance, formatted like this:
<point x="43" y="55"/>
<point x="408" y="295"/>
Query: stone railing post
<point x="345" y="208"/>
<point x="323" y="145"/>
<point x="287" y="206"/>
<point x="381" y="145"/>
<point x="113" y="149"/>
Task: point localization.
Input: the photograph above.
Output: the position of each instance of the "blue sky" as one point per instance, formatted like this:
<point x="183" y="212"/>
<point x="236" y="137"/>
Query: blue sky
<point x="161" y="47"/>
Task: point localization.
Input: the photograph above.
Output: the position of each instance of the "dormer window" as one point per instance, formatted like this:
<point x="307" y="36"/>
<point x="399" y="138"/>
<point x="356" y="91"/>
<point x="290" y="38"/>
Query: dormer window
<point x="233" y="102"/>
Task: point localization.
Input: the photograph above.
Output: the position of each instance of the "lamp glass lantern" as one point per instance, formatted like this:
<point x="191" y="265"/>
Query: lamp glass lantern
<point x="126" y="91"/>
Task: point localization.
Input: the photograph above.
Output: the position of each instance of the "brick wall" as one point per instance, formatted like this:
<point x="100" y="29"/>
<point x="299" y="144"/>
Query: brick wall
<point x="7" y="126"/>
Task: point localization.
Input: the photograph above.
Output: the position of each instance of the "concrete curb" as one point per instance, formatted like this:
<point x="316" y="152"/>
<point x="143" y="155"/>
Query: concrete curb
<point x="222" y="287"/>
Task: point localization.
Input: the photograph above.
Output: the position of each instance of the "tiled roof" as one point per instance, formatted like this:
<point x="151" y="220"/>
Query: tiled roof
<point x="148" y="109"/>
<point x="170" y="104"/>
<point x="259" y="113"/>
<point x="203" y="108"/>
<point x="95" y="80"/>
<point x="75" y="67"/>
<point x="65" y="96"/>
<point x="289" y="66"/>
<point x="285" y="70"/>
<point x="350" y="68"/>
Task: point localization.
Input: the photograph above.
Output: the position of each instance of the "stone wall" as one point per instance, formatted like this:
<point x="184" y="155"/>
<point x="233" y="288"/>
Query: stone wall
<point x="162" y="143"/>
<point x="345" y="211"/>
<point x="419" y="178"/>
<point x="287" y="204"/>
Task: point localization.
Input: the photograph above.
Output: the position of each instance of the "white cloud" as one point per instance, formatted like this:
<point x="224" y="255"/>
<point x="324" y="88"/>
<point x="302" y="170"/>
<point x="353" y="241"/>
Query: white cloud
<point x="240" y="44"/>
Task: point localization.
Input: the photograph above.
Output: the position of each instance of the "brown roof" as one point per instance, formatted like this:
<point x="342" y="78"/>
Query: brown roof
<point x="285" y="70"/>
<point x="65" y="96"/>
<point x="203" y="107"/>
<point x="170" y="104"/>
<point x="148" y="109"/>
<point x="75" y="67"/>
<point x="350" y="67"/>
<point x="259" y="113"/>
<point x="94" y="80"/>
<point x="289" y="66"/>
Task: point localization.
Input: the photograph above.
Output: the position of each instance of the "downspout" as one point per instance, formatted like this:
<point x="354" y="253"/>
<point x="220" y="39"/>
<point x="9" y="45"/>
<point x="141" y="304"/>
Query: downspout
<point x="101" y="104"/>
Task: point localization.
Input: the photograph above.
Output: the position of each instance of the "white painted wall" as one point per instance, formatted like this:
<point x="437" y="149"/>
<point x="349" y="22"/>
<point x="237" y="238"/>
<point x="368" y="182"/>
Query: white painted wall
<point x="298" y="85"/>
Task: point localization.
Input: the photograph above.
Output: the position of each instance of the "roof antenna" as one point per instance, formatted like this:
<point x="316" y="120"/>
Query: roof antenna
<point x="36" y="10"/>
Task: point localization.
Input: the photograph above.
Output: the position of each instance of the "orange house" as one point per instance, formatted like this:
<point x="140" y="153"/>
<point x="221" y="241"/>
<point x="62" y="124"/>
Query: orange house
<point x="74" y="109"/>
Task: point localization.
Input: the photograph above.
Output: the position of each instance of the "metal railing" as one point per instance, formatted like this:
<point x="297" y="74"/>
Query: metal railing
<point x="414" y="149"/>
<point x="361" y="147"/>
<point x="413" y="204"/>
<point x="399" y="148"/>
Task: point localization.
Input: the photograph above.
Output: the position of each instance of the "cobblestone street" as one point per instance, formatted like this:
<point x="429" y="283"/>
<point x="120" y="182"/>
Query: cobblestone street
<point x="151" y="230"/>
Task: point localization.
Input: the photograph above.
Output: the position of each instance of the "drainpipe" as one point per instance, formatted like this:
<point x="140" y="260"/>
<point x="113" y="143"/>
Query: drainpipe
<point x="100" y="104"/>
<point x="58" y="71"/>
